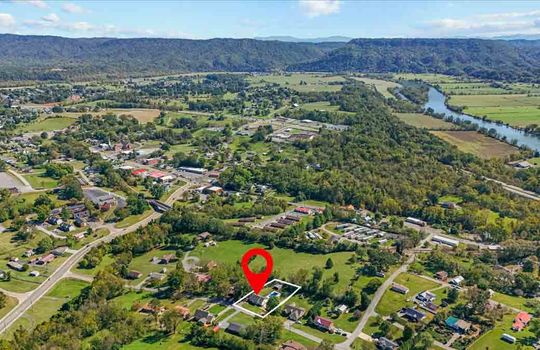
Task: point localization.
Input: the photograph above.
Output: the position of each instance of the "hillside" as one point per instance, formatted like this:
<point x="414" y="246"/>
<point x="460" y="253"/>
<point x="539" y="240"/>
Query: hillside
<point x="48" y="57"/>
<point x="490" y="59"/>
<point x="57" y="58"/>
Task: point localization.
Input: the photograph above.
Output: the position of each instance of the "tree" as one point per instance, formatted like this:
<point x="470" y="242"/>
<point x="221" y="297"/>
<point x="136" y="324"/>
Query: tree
<point x="329" y="263"/>
<point x="453" y="295"/>
<point x="534" y="327"/>
<point x="72" y="188"/>
<point x="408" y="333"/>
<point x="325" y="345"/>
<point x="365" y="300"/>
<point x="44" y="245"/>
<point x="266" y="331"/>
<point x="3" y="300"/>
<point x="171" y="319"/>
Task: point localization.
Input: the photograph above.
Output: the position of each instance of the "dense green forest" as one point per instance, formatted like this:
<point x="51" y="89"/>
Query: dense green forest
<point x="57" y="58"/>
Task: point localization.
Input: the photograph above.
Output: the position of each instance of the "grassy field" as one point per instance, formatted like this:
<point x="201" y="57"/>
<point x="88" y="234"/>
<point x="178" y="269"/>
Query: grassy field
<point x="10" y="304"/>
<point x="47" y="306"/>
<point x="302" y="82"/>
<point x="320" y="106"/>
<point x="419" y="120"/>
<point x="380" y="85"/>
<point x="534" y="161"/>
<point x="492" y="339"/>
<point x="132" y="219"/>
<point x="38" y="181"/>
<point x="142" y="115"/>
<point x="428" y="77"/>
<point x="232" y="251"/>
<point x="513" y="301"/>
<point x="393" y="301"/>
<point x="477" y="144"/>
<point x="511" y="100"/>
<point x="144" y="265"/>
<point x="48" y="124"/>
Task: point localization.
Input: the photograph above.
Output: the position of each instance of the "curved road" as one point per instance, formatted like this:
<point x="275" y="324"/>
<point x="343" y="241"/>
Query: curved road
<point x="63" y="270"/>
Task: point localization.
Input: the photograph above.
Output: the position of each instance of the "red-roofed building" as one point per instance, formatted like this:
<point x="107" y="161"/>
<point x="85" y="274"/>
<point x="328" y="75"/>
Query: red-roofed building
<point x="156" y="174"/>
<point x="45" y="259"/>
<point x="521" y="321"/>
<point x="324" y="323"/>
<point x="203" y="277"/>
<point x="303" y="210"/>
<point x="152" y="161"/>
<point x="138" y="172"/>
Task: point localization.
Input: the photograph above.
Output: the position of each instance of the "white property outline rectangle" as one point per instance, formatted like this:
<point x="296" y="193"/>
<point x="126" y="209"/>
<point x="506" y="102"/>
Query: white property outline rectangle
<point x="249" y="312"/>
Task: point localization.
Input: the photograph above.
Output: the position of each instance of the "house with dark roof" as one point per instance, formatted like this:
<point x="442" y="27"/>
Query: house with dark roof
<point x="412" y="314"/>
<point x="386" y="344"/>
<point x="204" y="317"/>
<point x="293" y="312"/>
<point x="235" y="328"/>
<point x="257" y="300"/>
<point x="399" y="288"/>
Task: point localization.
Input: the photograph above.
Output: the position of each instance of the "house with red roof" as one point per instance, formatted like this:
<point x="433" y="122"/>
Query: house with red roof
<point x="521" y="321"/>
<point x="156" y="174"/>
<point x="324" y="323"/>
<point x="303" y="210"/>
<point x="138" y="172"/>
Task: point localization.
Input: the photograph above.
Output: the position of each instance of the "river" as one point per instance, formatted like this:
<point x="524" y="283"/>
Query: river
<point x="437" y="101"/>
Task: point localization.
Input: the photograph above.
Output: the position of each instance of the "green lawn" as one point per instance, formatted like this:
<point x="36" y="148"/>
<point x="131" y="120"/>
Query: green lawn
<point x="303" y="82"/>
<point x="232" y="251"/>
<point x="492" y="339"/>
<point x="143" y="264"/>
<point x="393" y="301"/>
<point x="10" y="304"/>
<point x="133" y="219"/>
<point x="38" y="181"/>
<point x="48" y="305"/>
<point x="534" y="161"/>
<point x="48" y="124"/>
<point x="513" y="301"/>
<point x="372" y="327"/>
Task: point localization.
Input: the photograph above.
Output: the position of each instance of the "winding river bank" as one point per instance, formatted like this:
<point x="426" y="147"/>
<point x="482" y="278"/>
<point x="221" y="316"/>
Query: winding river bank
<point x="437" y="102"/>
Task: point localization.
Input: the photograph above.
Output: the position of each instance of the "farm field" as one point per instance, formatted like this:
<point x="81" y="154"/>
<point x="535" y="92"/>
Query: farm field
<point x="302" y="82"/>
<point x="47" y="306"/>
<point x="428" y="77"/>
<point x="393" y="301"/>
<point x="48" y="124"/>
<point x="142" y="115"/>
<point x="476" y="143"/>
<point x="511" y="100"/>
<point x="380" y="85"/>
<point x="320" y="106"/>
<point x="516" y="116"/>
<point x="425" y="121"/>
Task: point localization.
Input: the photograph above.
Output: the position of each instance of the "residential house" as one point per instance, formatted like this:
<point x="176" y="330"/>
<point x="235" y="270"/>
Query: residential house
<point x="156" y="276"/>
<point x="15" y="266"/>
<point x="341" y="309"/>
<point x="236" y="328"/>
<point x="257" y="300"/>
<point x="203" y="277"/>
<point x="133" y="275"/>
<point x="399" y="288"/>
<point x="303" y="210"/>
<point x="293" y="312"/>
<point x="44" y="260"/>
<point x="426" y="297"/>
<point x="211" y="264"/>
<point x="79" y="236"/>
<point x="34" y="273"/>
<point x="441" y="275"/>
<point x="28" y="253"/>
<point x="520" y="321"/>
<point x="412" y="314"/>
<point x="54" y="220"/>
<point x="60" y="251"/>
<point x="204" y="317"/>
<point x="457" y="324"/>
<point x="184" y="311"/>
<point x="456" y="281"/>
<point x="167" y="258"/>
<point x="292" y="345"/>
<point x="386" y="344"/>
<point x="324" y="324"/>
<point x="66" y="227"/>
<point x="204" y="236"/>
<point x="213" y="190"/>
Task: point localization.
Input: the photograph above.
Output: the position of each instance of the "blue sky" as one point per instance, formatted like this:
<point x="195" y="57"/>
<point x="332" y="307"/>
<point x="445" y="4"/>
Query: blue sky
<point x="244" y="19"/>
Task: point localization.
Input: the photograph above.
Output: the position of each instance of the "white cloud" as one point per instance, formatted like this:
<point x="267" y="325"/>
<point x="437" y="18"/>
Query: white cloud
<point x="53" y="18"/>
<point x="485" y="25"/>
<point x="36" y="3"/>
<point x="73" y="8"/>
<point x="315" y="8"/>
<point x="6" y="20"/>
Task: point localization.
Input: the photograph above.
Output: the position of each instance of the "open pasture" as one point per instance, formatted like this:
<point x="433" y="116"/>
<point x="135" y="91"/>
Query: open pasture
<point x="302" y="82"/>
<point x="380" y="85"/>
<point x="476" y="143"/>
<point x="425" y="121"/>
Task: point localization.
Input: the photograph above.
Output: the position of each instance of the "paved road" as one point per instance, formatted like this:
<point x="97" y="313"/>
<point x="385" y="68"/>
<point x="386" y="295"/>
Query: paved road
<point x="370" y="311"/>
<point x="511" y="188"/>
<point x="288" y="326"/>
<point x="64" y="269"/>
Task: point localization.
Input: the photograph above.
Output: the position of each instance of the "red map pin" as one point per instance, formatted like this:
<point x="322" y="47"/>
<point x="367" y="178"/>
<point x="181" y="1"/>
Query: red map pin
<point x="257" y="280"/>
